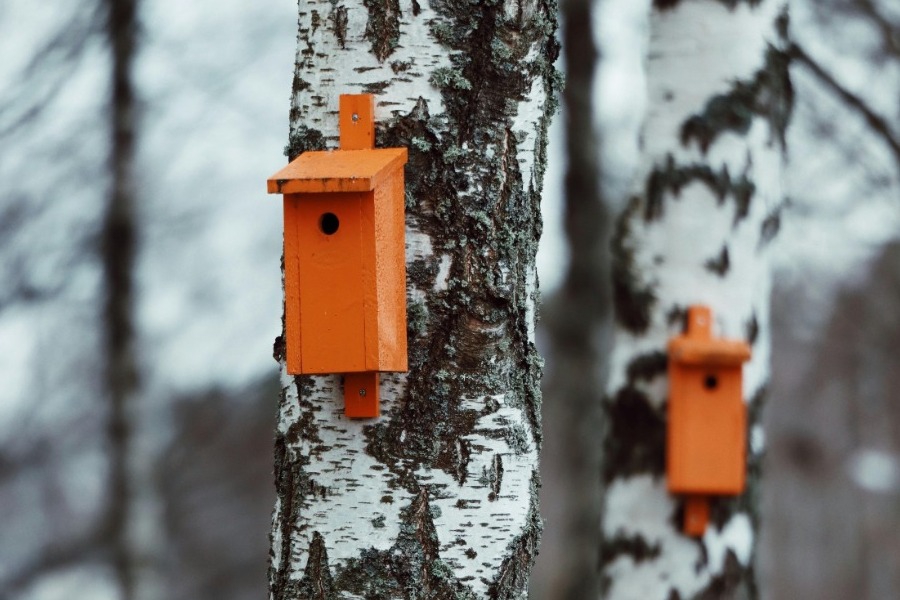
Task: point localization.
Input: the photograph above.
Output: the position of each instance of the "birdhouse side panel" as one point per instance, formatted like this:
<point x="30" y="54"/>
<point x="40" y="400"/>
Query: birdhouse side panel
<point x="331" y="271"/>
<point x="369" y="282"/>
<point x="390" y="241"/>
<point x="706" y="430"/>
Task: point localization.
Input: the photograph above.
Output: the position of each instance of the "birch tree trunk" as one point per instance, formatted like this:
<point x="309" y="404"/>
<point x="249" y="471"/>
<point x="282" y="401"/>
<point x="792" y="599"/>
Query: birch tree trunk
<point x="438" y="497"/>
<point x="696" y="231"/>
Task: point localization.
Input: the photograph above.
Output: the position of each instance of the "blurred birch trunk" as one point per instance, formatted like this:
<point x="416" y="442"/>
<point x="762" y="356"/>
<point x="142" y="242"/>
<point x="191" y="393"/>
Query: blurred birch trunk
<point x="438" y="497"/>
<point x="707" y="203"/>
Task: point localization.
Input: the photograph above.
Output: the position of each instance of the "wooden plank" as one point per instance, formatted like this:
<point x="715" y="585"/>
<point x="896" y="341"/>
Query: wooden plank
<point x="293" y="339"/>
<point x="357" y="121"/>
<point x="362" y="395"/>
<point x="331" y="297"/>
<point x="337" y="171"/>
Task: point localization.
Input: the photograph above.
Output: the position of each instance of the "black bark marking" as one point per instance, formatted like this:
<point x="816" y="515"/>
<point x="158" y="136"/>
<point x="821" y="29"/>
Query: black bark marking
<point x="635" y="547"/>
<point x="646" y="367"/>
<point x="411" y="568"/>
<point x="677" y="317"/>
<point x="339" y="21"/>
<point x="736" y="581"/>
<point x="421" y="273"/>
<point x="632" y="301"/>
<point x="720" y="264"/>
<point x="635" y="442"/>
<point x="376" y="87"/>
<point x="768" y="95"/>
<point x="317" y="582"/>
<point x="752" y="329"/>
<point x="495" y="477"/>
<point x="279" y="348"/>
<point x="303" y="138"/>
<point x="662" y="5"/>
<point x="383" y="27"/>
<point x="671" y="178"/>
<point x="770" y="227"/>
<point x="280" y="584"/>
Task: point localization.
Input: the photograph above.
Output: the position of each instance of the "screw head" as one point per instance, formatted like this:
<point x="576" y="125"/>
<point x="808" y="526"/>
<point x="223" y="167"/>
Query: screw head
<point x="362" y="391"/>
<point x="355" y="117"/>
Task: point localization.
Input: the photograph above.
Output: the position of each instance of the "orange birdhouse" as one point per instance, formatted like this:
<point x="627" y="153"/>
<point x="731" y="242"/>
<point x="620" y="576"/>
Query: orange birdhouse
<point x="707" y="424"/>
<point x="344" y="259"/>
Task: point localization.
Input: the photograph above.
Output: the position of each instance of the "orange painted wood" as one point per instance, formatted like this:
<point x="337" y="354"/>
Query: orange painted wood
<point x="707" y="421"/>
<point x="293" y="342"/>
<point x="696" y="515"/>
<point x="390" y="273"/>
<point x="337" y="171"/>
<point x="369" y="284"/>
<point x="362" y="395"/>
<point x="330" y="277"/>
<point x="357" y="121"/>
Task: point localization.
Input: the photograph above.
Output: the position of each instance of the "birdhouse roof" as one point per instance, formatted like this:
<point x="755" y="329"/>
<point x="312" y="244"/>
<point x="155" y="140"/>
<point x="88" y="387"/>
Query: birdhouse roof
<point x="337" y="171"/>
<point x="708" y="352"/>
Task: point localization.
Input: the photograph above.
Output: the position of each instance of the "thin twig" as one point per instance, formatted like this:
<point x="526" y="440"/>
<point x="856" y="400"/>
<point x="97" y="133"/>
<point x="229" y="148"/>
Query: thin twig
<point x="876" y="122"/>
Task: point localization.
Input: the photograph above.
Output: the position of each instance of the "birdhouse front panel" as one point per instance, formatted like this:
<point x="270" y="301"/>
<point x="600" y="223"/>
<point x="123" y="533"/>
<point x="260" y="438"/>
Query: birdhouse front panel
<point x="325" y="317"/>
<point x="707" y="430"/>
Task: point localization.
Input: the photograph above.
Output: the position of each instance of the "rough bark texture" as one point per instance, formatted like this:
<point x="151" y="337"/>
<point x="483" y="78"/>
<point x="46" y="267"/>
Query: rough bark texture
<point x="696" y="231"/>
<point x="438" y="497"/>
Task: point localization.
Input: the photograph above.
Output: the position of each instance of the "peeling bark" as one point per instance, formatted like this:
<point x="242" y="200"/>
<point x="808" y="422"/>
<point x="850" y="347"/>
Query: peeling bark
<point x="438" y="497"/>
<point x="696" y="231"/>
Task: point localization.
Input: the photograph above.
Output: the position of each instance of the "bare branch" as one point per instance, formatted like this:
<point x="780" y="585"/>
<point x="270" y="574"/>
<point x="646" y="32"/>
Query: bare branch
<point x="878" y="124"/>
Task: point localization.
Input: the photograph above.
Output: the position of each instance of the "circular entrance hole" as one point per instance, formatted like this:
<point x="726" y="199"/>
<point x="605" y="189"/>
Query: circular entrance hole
<point x="329" y="223"/>
<point x="711" y="382"/>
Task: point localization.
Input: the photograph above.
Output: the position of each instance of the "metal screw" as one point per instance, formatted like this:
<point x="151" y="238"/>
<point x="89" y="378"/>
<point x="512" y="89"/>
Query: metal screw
<point x="355" y="119"/>
<point x="362" y="391"/>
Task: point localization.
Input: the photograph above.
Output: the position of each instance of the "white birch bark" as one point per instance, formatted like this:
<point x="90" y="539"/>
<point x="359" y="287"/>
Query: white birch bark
<point x="706" y="204"/>
<point x="438" y="497"/>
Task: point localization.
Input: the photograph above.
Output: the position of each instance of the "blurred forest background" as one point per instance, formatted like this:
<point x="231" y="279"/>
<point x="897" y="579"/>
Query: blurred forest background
<point x="212" y="83"/>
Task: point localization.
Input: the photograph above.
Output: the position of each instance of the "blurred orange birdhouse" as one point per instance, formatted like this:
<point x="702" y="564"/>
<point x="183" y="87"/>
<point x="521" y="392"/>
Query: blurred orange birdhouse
<point x="707" y="424"/>
<point x="344" y="259"/>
